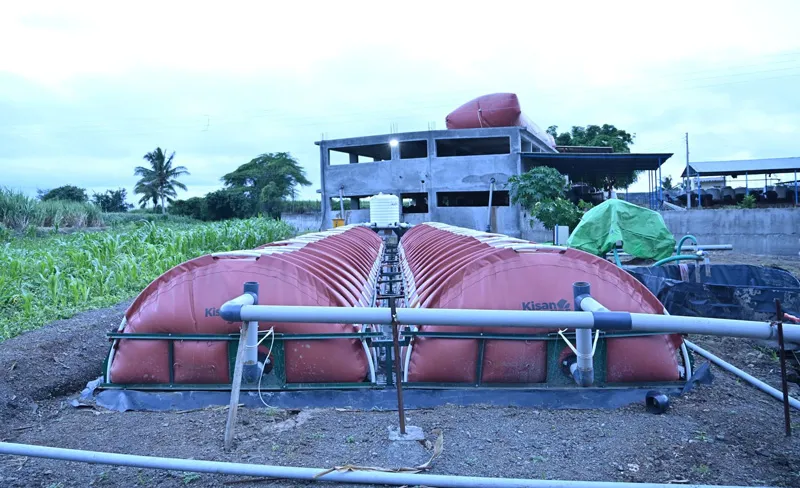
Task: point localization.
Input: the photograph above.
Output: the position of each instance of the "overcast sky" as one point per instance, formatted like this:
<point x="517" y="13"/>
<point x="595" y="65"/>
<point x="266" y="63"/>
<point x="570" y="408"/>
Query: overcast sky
<point x="86" y="88"/>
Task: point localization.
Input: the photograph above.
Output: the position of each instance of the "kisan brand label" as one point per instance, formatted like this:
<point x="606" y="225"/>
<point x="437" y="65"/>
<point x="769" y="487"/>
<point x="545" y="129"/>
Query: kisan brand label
<point x="212" y="312"/>
<point x="534" y="305"/>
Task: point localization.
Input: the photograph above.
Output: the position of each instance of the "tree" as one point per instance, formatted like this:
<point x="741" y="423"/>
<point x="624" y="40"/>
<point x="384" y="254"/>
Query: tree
<point x="605" y="136"/>
<point x="540" y="191"/>
<point x="148" y="192"/>
<point x="67" y="192"/>
<point x="112" y="200"/>
<point x="667" y="183"/>
<point x="158" y="182"/>
<point x="267" y="181"/>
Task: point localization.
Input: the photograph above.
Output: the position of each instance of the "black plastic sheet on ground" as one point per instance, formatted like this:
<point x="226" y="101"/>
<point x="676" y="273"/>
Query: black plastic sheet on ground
<point x="382" y="399"/>
<point x="725" y="291"/>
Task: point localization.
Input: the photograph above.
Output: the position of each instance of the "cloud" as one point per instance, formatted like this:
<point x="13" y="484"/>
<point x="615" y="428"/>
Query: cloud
<point x="91" y="87"/>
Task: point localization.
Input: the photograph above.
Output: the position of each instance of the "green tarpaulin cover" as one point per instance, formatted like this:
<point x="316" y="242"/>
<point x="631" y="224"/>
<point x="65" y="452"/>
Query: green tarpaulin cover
<point x="642" y="231"/>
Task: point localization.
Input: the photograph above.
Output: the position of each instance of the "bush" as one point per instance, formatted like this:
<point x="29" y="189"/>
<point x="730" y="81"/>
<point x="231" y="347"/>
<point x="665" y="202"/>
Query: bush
<point x="68" y="193"/>
<point x="227" y="204"/>
<point x="749" y="201"/>
<point x="195" y="208"/>
<point x="112" y="200"/>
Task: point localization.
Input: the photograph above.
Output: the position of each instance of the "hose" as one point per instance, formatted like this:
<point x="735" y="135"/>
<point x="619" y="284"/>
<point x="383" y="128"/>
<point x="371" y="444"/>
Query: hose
<point x="616" y="258"/>
<point x="684" y="239"/>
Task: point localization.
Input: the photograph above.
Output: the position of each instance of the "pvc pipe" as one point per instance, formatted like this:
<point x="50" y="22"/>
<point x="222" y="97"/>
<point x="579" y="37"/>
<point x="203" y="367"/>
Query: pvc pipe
<point x="489" y="213"/>
<point x="341" y="202"/>
<point x="773" y="392"/>
<point x="418" y="316"/>
<point x="251" y="369"/>
<point x="720" y="327"/>
<point x="584" y="371"/>
<point x="310" y="474"/>
<point x="709" y="247"/>
<point x="701" y="247"/>
<point x="589" y="304"/>
<point x="638" y="322"/>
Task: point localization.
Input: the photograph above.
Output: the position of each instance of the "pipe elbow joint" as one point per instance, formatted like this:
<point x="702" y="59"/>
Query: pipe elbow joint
<point x="584" y="377"/>
<point x="231" y="312"/>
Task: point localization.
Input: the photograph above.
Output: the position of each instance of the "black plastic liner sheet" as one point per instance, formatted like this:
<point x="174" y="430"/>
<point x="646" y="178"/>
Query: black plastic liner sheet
<point x="383" y="399"/>
<point x="735" y="291"/>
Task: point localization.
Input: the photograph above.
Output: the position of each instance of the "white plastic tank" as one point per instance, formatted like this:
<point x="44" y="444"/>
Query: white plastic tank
<point x="384" y="210"/>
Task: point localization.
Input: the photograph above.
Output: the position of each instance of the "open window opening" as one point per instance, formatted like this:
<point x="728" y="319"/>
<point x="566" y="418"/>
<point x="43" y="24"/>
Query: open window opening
<point x="479" y="146"/>
<point x="472" y="198"/>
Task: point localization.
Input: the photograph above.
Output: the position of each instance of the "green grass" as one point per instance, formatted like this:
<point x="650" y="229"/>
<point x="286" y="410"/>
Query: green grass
<point x="50" y="278"/>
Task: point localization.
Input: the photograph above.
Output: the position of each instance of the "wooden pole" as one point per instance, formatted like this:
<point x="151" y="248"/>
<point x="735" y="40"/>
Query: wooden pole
<point x="250" y="287"/>
<point x="233" y="406"/>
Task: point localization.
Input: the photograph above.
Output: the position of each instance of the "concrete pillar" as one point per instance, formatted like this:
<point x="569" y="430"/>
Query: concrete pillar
<point x="324" y="164"/>
<point x="353" y="158"/>
<point x="355" y="204"/>
<point x="430" y="184"/>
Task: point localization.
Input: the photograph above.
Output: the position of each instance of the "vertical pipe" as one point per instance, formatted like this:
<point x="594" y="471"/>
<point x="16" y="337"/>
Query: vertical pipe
<point x="746" y="184"/>
<point x="250" y="336"/>
<point x="782" y="351"/>
<point x="583" y="373"/>
<point x="341" y="202"/>
<point x="489" y="214"/>
<point x="688" y="188"/>
<point x="399" y="380"/>
<point x="660" y="185"/>
<point x="699" y="192"/>
<point x="649" y="190"/>
<point x="795" y="187"/>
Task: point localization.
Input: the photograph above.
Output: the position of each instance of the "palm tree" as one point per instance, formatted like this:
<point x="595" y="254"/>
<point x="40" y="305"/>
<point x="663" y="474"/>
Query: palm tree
<point x="159" y="181"/>
<point x="149" y="194"/>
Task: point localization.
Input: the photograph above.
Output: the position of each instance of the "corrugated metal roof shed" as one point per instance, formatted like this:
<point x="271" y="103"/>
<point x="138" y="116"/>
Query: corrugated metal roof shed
<point x="745" y="166"/>
<point x="592" y="164"/>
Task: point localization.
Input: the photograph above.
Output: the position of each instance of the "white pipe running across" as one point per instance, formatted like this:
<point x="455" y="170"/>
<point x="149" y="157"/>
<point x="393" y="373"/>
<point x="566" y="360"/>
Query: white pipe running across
<point x="621" y="321"/>
<point x="311" y="474"/>
<point x="773" y="392"/>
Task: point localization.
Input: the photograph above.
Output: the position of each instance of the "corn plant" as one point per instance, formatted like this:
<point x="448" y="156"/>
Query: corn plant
<point x="42" y="279"/>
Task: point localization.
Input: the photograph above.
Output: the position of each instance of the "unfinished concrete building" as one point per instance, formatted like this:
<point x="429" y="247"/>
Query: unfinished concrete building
<point x="446" y="175"/>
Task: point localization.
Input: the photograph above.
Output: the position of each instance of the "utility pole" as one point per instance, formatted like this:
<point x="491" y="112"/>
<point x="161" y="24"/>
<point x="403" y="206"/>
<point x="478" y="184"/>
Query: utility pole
<point x="688" y="188"/>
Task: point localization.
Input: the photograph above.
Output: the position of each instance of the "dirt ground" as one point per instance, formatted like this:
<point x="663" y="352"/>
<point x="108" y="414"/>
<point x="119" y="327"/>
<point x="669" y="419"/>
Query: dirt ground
<point x="725" y="433"/>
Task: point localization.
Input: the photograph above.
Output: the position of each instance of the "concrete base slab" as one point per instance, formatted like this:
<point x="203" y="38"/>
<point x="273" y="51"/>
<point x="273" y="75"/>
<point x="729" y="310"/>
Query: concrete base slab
<point x="413" y="433"/>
